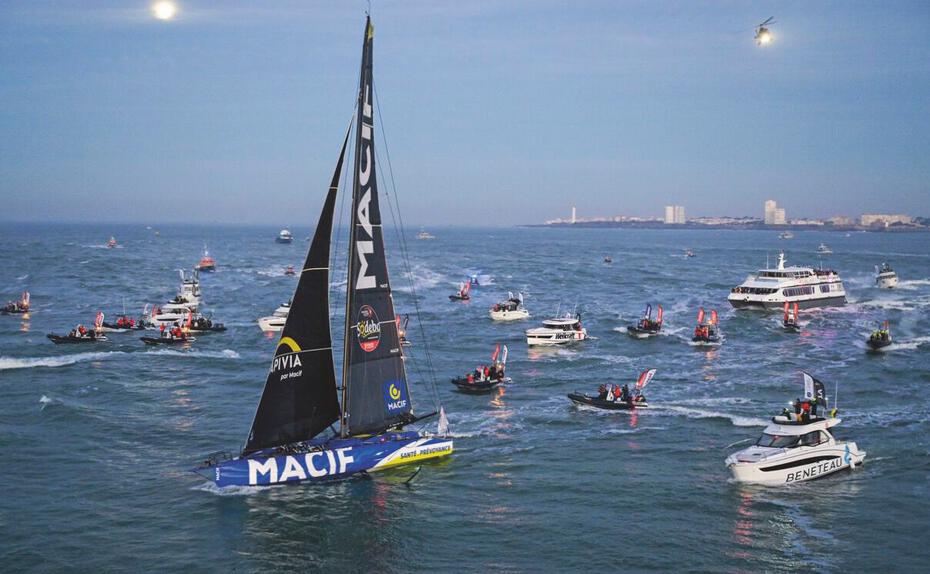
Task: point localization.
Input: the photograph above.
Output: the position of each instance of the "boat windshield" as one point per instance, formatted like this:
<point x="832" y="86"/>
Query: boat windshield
<point x="777" y="441"/>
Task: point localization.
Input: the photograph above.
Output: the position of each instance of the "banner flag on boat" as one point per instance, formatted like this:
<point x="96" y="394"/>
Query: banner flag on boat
<point x="700" y="318"/>
<point x="814" y="389"/>
<point x="659" y="315"/>
<point x="98" y="322"/>
<point x="496" y="352"/>
<point x="504" y="356"/>
<point x="644" y="378"/>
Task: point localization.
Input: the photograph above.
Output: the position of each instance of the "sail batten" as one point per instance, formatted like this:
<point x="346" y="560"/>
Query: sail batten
<point x="375" y="391"/>
<point x="300" y="399"/>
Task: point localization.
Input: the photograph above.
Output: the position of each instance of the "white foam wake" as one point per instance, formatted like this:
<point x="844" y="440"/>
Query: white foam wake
<point x="737" y="420"/>
<point x="56" y="361"/>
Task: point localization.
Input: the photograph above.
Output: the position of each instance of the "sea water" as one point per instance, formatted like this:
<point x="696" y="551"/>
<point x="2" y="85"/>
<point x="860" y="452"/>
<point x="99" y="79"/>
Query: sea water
<point x="97" y="441"/>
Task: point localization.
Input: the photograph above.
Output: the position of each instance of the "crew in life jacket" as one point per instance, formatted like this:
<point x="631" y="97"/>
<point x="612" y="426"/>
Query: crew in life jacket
<point x="602" y="392"/>
<point x="82" y="331"/>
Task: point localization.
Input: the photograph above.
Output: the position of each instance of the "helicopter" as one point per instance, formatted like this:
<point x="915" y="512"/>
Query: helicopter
<point x="763" y="36"/>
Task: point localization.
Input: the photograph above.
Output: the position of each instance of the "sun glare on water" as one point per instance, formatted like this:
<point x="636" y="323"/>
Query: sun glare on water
<point x="164" y="10"/>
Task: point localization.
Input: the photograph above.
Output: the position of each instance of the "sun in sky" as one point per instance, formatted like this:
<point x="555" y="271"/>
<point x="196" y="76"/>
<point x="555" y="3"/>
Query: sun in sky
<point x="164" y="9"/>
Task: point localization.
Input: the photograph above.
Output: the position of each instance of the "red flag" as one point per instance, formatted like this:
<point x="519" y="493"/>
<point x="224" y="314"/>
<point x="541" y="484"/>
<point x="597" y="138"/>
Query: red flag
<point x="713" y="317"/>
<point x="659" y="315"/>
<point x="496" y="353"/>
<point x="700" y="315"/>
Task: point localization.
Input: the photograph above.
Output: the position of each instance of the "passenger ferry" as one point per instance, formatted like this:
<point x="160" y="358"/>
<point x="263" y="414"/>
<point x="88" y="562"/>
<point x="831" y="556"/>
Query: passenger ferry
<point x="557" y="331"/>
<point x="806" y="286"/>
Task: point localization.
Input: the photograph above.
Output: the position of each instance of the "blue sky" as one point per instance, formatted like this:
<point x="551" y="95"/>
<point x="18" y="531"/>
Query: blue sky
<point x="495" y="112"/>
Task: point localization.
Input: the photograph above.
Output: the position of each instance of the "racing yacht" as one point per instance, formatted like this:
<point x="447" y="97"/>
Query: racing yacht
<point x="885" y="277"/>
<point x="292" y="436"/>
<point x="275" y="321"/>
<point x="772" y="288"/>
<point x="510" y="310"/>
<point x="796" y="447"/>
<point x="557" y="331"/>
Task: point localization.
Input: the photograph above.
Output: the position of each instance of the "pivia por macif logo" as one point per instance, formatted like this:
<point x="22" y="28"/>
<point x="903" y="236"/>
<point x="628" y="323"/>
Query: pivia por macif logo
<point x="395" y="396"/>
<point x="368" y="327"/>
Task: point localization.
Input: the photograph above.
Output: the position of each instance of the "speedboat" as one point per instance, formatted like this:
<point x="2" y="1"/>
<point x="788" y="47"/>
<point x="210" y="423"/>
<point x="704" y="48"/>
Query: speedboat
<point x="646" y="327"/>
<point x="111" y="242"/>
<point x="90" y="336"/>
<point x="202" y="324"/>
<point x="771" y="288"/>
<point x="790" y="322"/>
<point x="511" y="309"/>
<point x="786" y="235"/>
<point x="17" y="307"/>
<point x="880" y="338"/>
<point x="275" y="321"/>
<point x="82" y="335"/>
<point x="485" y="378"/>
<point x="206" y="262"/>
<point x="796" y="447"/>
<point x="707" y="332"/>
<point x="608" y="259"/>
<point x="423" y="234"/>
<point x="616" y="398"/>
<point x="122" y="324"/>
<point x="823" y="249"/>
<point x="885" y="277"/>
<point x="167" y="338"/>
<point x="557" y="331"/>
<point x="285" y="236"/>
<point x="689" y="253"/>
<point x="462" y="295"/>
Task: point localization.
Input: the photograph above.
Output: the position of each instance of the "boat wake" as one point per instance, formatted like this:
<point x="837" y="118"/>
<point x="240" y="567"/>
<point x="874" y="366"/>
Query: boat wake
<point x="212" y="488"/>
<point x="224" y="354"/>
<point x="913" y="284"/>
<point x="7" y="363"/>
<point x="908" y="345"/>
<point x="736" y="420"/>
<point x="420" y="278"/>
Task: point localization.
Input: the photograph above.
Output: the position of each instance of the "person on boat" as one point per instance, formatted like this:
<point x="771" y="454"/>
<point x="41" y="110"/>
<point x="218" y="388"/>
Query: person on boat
<point x="602" y="392"/>
<point x="161" y="329"/>
<point x="805" y="411"/>
<point x="470" y="378"/>
<point x="82" y="331"/>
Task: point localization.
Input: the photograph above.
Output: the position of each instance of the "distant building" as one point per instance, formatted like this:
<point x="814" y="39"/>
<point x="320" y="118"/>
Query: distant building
<point x="870" y="219"/>
<point x="842" y="220"/>
<point x="674" y="214"/>
<point x="773" y="215"/>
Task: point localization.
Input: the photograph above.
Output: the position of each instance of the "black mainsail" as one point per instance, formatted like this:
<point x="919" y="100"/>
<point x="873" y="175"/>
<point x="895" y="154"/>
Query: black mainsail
<point x="375" y="394"/>
<point x="300" y="398"/>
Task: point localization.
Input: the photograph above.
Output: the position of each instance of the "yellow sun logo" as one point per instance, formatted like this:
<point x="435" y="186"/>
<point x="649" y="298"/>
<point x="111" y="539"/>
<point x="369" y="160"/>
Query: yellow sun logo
<point x="394" y="392"/>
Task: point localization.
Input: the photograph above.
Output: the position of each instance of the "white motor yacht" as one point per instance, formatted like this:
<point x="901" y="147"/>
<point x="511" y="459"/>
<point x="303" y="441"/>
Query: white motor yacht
<point x="793" y="451"/>
<point x="886" y="278"/>
<point x="798" y="446"/>
<point x="275" y="321"/>
<point x="285" y="236"/>
<point x="423" y="234"/>
<point x="824" y="249"/>
<point x="557" y="331"/>
<point x="772" y="288"/>
<point x="510" y="310"/>
<point x="786" y="235"/>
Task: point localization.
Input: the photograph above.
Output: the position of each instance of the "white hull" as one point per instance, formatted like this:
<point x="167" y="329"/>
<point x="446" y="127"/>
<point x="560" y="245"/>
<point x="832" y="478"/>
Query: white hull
<point x="517" y="315"/>
<point x="799" y="465"/>
<point x="887" y="281"/>
<point x="271" y="323"/>
<point x="543" y="337"/>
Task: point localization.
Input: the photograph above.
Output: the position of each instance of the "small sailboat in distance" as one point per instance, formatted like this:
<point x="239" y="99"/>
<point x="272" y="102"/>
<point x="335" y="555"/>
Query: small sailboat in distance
<point x="301" y="401"/>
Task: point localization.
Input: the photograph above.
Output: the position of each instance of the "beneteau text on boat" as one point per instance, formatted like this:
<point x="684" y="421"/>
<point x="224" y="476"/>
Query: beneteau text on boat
<point x="806" y="286"/>
<point x="797" y="446"/>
